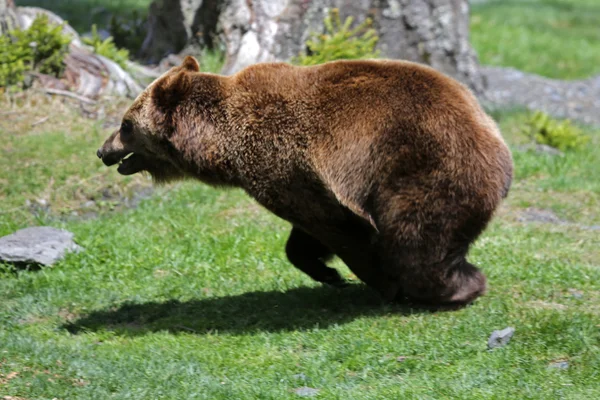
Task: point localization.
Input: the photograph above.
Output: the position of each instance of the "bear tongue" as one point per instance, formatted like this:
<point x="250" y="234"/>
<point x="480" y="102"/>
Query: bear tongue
<point x="131" y="165"/>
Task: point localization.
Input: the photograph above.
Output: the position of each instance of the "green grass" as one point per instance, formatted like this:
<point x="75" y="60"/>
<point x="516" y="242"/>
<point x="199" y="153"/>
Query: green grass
<point x="190" y="295"/>
<point x="81" y="14"/>
<point x="555" y="38"/>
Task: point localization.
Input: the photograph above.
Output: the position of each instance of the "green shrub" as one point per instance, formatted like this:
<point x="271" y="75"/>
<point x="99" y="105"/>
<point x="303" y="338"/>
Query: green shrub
<point x="42" y="47"/>
<point x="562" y="135"/>
<point x="339" y="42"/>
<point x="46" y="44"/>
<point x="12" y="63"/>
<point x="107" y="48"/>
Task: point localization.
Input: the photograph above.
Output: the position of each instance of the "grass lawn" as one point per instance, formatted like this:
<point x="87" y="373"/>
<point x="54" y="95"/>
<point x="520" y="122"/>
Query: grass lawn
<point x="189" y="295"/>
<point x="554" y="38"/>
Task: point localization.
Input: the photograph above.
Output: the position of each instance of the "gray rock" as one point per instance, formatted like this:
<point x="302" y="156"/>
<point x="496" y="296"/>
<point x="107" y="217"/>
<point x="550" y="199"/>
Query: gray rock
<point x="533" y="214"/>
<point x="578" y="294"/>
<point x="306" y="391"/>
<point x="300" y="377"/>
<point x="559" y="365"/>
<point x="500" y="338"/>
<point x="37" y="245"/>
<point x="575" y="99"/>
<point x="545" y="149"/>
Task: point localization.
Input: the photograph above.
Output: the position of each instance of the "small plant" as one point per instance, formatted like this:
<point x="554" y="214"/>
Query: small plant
<point x="12" y="62"/>
<point x="107" y="48"/>
<point x="46" y="43"/>
<point x="212" y="60"/>
<point x="339" y="42"/>
<point x="562" y="135"/>
<point x="42" y="47"/>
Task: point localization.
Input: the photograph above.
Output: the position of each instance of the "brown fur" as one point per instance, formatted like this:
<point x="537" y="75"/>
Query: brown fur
<point x="390" y="165"/>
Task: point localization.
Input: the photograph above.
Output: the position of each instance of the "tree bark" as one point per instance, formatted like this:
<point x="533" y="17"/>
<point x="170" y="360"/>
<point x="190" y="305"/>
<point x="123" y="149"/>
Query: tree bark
<point x="8" y="16"/>
<point x="434" y="32"/>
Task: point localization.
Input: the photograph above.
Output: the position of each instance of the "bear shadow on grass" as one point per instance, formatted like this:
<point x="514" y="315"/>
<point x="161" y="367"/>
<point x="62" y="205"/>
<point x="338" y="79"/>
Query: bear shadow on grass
<point x="296" y="309"/>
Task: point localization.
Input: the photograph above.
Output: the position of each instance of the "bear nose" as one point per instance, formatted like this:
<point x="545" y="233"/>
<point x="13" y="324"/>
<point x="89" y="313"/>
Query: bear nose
<point x="99" y="153"/>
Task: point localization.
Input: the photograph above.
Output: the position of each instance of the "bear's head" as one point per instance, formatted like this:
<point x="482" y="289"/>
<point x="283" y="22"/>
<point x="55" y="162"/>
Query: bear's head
<point x="165" y="120"/>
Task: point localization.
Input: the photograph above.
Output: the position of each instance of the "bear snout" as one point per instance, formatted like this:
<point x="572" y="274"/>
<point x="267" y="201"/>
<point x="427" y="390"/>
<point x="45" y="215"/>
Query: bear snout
<point x="111" y="157"/>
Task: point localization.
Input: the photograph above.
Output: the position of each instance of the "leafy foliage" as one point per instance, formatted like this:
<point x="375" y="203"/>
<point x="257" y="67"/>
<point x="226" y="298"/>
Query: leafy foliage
<point x="562" y="135"/>
<point x="42" y="47"/>
<point x="339" y="42"/>
<point x="107" y="48"/>
<point x="12" y="62"/>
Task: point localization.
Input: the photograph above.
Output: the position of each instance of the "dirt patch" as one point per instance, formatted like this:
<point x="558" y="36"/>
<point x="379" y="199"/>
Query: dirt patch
<point x="246" y="210"/>
<point x="546" y="305"/>
<point x="533" y="214"/>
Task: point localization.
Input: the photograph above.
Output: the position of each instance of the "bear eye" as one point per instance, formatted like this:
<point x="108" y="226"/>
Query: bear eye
<point x="126" y="130"/>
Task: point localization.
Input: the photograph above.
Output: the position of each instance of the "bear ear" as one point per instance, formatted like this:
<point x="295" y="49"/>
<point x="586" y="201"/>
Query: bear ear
<point x="190" y="64"/>
<point x="168" y="92"/>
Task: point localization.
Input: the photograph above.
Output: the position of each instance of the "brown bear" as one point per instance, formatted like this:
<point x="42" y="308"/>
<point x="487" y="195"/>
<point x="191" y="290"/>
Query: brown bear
<point x="390" y="165"/>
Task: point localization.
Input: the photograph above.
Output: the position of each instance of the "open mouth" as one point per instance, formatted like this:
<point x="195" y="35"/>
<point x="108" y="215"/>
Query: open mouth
<point x="131" y="164"/>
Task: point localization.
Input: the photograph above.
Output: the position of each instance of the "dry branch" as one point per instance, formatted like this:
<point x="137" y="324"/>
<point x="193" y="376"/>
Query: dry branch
<point x="69" y="94"/>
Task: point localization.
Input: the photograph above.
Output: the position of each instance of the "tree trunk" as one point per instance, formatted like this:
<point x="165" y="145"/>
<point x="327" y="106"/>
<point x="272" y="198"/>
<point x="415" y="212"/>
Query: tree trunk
<point x="8" y="16"/>
<point x="434" y="32"/>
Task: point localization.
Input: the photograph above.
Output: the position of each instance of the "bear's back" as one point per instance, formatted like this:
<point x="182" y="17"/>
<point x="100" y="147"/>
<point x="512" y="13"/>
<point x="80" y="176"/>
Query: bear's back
<point x="407" y="115"/>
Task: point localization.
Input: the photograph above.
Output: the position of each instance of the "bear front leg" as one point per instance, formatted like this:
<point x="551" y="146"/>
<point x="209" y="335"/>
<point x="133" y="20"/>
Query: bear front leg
<point x="308" y="255"/>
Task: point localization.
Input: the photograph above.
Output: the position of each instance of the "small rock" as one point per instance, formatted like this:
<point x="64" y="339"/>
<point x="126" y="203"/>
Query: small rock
<point x="545" y="149"/>
<point x="500" y="338"/>
<point x="306" y="391"/>
<point x="300" y="377"/>
<point x="533" y="214"/>
<point x="559" y="365"/>
<point x="541" y="148"/>
<point x="401" y="358"/>
<point x="37" y="245"/>
<point x="578" y="294"/>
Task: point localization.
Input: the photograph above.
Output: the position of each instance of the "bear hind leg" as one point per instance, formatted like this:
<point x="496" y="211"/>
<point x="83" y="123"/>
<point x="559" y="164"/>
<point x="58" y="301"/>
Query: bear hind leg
<point x="446" y="284"/>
